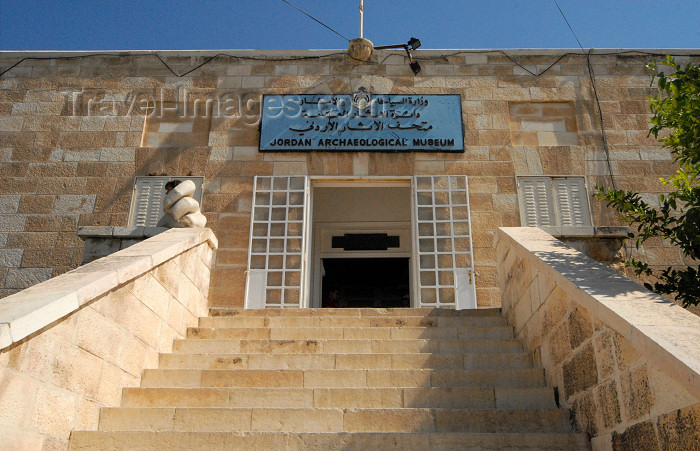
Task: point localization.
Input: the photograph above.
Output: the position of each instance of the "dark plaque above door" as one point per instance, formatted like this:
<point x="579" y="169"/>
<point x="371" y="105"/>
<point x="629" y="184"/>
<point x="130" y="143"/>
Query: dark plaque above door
<point x="365" y="242"/>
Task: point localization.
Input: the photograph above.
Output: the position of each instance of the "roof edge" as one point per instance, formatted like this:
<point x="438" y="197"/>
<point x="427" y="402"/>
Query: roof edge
<point x="328" y="52"/>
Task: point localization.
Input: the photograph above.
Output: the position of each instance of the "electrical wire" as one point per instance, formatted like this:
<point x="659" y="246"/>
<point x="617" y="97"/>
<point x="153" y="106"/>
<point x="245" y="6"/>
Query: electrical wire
<point x="11" y="67"/>
<point x="312" y="17"/>
<point x="567" y="22"/>
<point x="600" y="117"/>
<point x="251" y="58"/>
<point x="591" y="74"/>
<point x="207" y="61"/>
<point x="339" y="53"/>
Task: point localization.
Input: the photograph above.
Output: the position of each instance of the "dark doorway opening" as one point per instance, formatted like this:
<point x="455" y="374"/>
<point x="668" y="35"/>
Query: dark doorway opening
<point x="366" y="282"/>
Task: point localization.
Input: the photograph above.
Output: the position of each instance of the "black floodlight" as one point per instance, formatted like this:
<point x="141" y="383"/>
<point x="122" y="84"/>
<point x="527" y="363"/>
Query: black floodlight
<point x="414" y="43"/>
<point x="415" y="67"/>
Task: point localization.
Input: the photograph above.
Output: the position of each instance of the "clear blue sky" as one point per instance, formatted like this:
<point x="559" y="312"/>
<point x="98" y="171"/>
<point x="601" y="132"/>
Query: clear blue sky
<point x="272" y="24"/>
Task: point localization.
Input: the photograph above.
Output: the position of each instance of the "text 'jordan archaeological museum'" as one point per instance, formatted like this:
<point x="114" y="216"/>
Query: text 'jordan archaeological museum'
<point x="353" y="181"/>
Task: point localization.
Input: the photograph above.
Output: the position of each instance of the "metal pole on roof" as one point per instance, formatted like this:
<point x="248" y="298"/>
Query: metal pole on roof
<point x="362" y="17"/>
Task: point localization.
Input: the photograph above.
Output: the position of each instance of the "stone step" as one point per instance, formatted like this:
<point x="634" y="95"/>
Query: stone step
<point x="358" y="312"/>
<point x="423" y="397"/>
<point x="352" y="333"/>
<point x="340" y="379"/>
<point x="344" y="361"/>
<point x="167" y="378"/>
<point x="351" y="321"/>
<point x="265" y="441"/>
<point x="368" y="346"/>
<point x="333" y="420"/>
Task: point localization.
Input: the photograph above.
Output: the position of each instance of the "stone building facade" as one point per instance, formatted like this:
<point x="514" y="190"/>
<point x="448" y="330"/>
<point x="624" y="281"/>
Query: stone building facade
<point x="77" y="128"/>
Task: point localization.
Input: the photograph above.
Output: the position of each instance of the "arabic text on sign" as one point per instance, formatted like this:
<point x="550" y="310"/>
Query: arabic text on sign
<point x="388" y="122"/>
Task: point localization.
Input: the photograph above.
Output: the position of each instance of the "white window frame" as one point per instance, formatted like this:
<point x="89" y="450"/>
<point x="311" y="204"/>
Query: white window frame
<point x="557" y="204"/>
<point x="277" y="275"/>
<point x="443" y="248"/>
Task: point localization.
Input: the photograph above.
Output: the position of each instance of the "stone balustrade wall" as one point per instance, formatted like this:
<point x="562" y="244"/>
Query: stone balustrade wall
<point x="627" y="362"/>
<point x="69" y="345"/>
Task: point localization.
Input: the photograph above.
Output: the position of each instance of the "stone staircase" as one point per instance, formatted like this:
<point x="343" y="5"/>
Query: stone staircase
<point x="329" y="379"/>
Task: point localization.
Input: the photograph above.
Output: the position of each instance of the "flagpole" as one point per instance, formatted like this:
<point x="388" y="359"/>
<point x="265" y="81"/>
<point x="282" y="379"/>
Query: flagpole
<point x="362" y="16"/>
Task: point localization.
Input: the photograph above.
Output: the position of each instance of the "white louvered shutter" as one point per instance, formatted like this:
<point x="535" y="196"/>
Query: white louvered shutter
<point x="148" y="206"/>
<point x="571" y="201"/>
<point x="147" y="199"/>
<point x="536" y="202"/>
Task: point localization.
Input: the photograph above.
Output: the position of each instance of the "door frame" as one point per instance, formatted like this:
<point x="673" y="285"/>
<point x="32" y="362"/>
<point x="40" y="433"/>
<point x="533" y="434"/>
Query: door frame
<point x="310" y="263"/>
<point x="315" y="255"/>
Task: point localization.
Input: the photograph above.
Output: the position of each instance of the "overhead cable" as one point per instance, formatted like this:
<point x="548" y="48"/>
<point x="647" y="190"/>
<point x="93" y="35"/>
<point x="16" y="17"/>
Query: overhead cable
<point x="595" y="94"/>
<point x="312" y="17"/>
<point x="567" y="22"/>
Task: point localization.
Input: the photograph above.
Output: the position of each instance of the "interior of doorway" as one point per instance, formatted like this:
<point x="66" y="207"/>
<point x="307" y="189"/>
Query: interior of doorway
<point x="362" y="277"/>
<point x="366" y="282"/>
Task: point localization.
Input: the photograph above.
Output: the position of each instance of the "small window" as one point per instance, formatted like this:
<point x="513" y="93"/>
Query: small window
<point x="147" y="199"/>
<point x="559" y="205"/>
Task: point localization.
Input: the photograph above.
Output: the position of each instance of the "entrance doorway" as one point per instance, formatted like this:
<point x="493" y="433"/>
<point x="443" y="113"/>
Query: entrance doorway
<point x="362" y="245"/>
<point x="374" y="233"/>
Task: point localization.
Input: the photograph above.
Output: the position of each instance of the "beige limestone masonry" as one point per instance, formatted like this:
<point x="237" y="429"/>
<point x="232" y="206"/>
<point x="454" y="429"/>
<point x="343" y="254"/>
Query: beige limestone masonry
<point x="626" y="361"/>
<point x="176" y="124"/>
<point x="543" y="124"/>
<point x="72" y="139"/>
<point x="69" y="345"/>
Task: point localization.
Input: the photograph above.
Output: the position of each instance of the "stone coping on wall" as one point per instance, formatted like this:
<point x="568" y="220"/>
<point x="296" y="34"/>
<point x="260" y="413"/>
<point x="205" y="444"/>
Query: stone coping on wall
<point x="589" y="232"/>
<point x="664" y="332"/>
<point x="133" y="232"/>
<point x="30" y="310"/>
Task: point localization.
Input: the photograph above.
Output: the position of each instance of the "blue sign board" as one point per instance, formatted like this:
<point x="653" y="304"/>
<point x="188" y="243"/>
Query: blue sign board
<point x="362" y="122"/>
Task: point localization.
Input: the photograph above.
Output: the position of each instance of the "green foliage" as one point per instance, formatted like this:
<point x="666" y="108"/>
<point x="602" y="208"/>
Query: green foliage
<point x="676" y="116"/>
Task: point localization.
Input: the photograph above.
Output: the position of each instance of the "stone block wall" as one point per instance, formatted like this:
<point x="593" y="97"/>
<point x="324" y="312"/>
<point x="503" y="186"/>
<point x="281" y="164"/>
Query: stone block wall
<point x="625" y="361"/>
<point x="543" y="124"/>
<point x="69" y="345"/>
<point x="74" y="133"/>
<point x="103" y="241"/>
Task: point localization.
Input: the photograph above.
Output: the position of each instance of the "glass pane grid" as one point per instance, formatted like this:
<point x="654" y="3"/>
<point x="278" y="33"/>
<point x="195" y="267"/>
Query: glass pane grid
<point x="443" y="232"/>
<point x="277" y="239"/>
